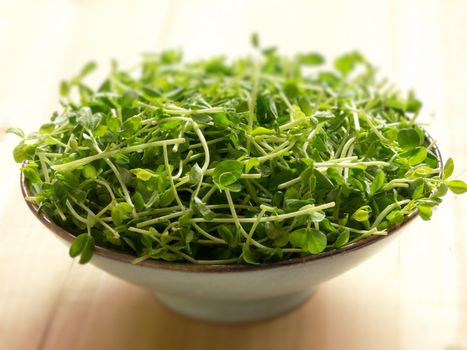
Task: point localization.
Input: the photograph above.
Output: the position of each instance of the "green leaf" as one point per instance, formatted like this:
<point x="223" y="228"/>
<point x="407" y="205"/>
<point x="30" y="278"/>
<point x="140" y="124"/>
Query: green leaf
<point x="185" y="219"/>
<point x="125" y="207"/>
<point x="441" y="191"/>
<point x="91" y="220"/>
<point x="78" y="244"/>
<point x="196" y="174"/>
<point x="150" y="92"/>
<point x="419" y="190"/>
<point x="356" y="184"/>
<point x="143" y="174"/>
<point x="322" y="182"/>
<point x="395" y="217"/>
<point x="227" y="173"/>
<point x="396" y="102"/>
<point x="87" y="69"/>
<point x="131" y="126"/>
<point x="336" y="176"/>
<point x="327" y="227"/>
<point x="117" y="216"/>
<point x="378" y="182"/>
<point x="234" y="187"/>
<point x="202" y="209"/>
<point x="362" y="214"/>
<point x="262" y="131"/>
<point x="171" y="56"/>
<point x="218" y="66"/>
<point x="15" y="131"/>
<point x="128" y="97"/>
<point x="249" y="255"/>
<point x="310" y="240"/>
<point x="202" y="118"/>
<point x="89" y="172"/>
<point x="227" y="234"/>
<point x="418" y="156"/>
<point x="119" y="212"/>
<point x="221" y="121"/>
<point x="346" y="63"/>
<point x="31" y="174"/>
<point x="250" y="164"/>
<point x="64" y="88"/>
<point x="457" y="186"/>
<point x="255" y="40"/>
<point x="88" y="119"/>
<point x="46" y="128"/>
<point x="100" y="130"/>
<point x="24" y="151"/>
<point x="292" y="91"/>
<point x="113" y="124"/>
<point x="311" y="59"/>
<point x="171" y="124"/>
<point x="408" y="138"/>
<point x="342" y="239"/>
<point x="167" y="197"/>
<point x="273" y="230"/>
<point x="130" y="243"/>
<point x="138" y="200"/>
<point x="87" y="251"/>
<point x="425" y="212"/>
<point x="448" y="168"/>
<point x="317" y="216"/>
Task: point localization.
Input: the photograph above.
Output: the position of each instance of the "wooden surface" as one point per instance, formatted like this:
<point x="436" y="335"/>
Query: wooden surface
<point x="411" y="296"/>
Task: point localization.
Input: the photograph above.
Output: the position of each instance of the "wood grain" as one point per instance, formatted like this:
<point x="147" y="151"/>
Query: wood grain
<point x="411" y="296"/>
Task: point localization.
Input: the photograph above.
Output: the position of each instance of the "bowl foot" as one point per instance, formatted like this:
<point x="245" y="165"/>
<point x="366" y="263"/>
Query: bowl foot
<point x="233" y="310"/>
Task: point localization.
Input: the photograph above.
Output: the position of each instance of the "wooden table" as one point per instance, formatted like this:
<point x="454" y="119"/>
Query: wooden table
<point x="411" y="296"/>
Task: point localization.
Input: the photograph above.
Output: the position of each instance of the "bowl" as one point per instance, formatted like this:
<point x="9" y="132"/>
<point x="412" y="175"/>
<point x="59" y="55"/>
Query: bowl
<point x="233" y="293"/>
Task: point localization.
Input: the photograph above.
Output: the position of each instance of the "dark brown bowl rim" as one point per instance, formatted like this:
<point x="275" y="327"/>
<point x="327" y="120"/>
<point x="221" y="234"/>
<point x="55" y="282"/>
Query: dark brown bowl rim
<point x="188" y="267"/>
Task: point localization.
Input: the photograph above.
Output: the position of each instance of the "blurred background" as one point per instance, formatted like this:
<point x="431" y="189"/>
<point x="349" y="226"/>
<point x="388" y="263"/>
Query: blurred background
<point x="415" y="42"/>
<point x="411" y="296"/>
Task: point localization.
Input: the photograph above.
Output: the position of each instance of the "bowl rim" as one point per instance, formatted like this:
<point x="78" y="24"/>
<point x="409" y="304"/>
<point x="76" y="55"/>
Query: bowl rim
<point x="189" y="267"/>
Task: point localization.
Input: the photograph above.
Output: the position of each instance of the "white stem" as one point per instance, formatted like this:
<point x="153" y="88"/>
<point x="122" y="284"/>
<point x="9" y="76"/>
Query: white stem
<point x="45" y="173"/>
<point x="108" y="154"/>
<point x="237" y="222"/>
<point x="350" y="165"/>
<point x="280" y="217"/>
<point x="372" y="231"/>
<point x="254" y="92"/>
<point x="289" y="183"/>
<point x="346" y="147"/>
<point x="175" y="110"/>
<point x="387" y="210"/>
<point x="355" y="117"/>
<point x="169" y="172"/>
<point x="275" y="154"/>
<point x="160" y="219"/>
<point x="208" y="236"/>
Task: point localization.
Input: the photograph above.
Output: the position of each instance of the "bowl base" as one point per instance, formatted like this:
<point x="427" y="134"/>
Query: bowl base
<point x="236" y="310"/>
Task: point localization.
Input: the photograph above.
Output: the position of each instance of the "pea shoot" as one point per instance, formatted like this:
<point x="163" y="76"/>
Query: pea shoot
<point x="252" y="160"/>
